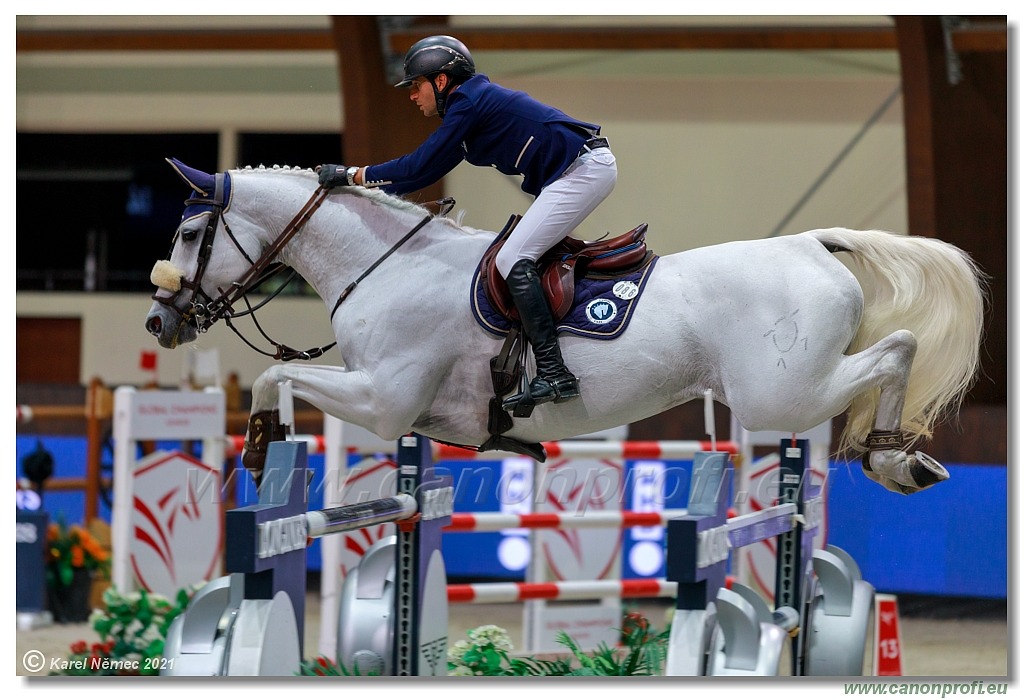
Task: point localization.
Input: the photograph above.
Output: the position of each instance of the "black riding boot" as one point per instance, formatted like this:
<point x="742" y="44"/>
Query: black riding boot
<point x="553" y="381"/>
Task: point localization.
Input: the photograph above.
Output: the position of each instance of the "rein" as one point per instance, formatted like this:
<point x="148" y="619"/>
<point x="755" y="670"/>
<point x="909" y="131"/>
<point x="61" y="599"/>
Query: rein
<point x="444" y="206"/>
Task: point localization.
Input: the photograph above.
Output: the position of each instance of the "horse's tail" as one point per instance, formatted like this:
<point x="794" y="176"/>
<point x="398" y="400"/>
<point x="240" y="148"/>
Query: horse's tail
<point x="934" y="290"/>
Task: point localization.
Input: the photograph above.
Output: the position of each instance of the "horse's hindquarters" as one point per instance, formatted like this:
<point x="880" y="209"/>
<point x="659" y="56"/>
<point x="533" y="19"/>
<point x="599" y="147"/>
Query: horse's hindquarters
<point x="763" y="324"/>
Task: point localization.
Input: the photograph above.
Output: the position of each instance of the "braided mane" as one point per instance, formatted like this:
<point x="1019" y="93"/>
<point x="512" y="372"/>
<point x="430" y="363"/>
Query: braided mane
<point x="374" y="194"/>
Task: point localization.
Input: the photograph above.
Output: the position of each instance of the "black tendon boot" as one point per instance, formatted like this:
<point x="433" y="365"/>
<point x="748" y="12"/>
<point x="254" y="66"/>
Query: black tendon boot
<point x="553" y="381"/>
<point x="264" y="428"/>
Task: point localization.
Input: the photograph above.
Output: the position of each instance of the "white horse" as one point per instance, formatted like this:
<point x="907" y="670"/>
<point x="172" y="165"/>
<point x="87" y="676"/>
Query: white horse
<point x="780" y="330"/>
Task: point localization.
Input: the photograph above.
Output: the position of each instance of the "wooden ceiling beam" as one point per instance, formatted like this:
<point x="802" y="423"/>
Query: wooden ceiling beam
<point x="658" y="38"/>
<point x="176" y="40"/>
<point x="478" y="38"/>
<point x="985" y="37"/>
<point x="980" y="38"/>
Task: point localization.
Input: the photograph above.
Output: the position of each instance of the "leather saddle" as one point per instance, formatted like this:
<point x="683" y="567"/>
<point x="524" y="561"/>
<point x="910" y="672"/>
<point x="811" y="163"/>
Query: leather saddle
<point x="563" y="264"/>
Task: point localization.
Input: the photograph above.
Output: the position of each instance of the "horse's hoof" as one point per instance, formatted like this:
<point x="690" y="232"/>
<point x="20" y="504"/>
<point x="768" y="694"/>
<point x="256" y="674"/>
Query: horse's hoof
<point x="926" y="471"/>
<point x="901" y="472"/>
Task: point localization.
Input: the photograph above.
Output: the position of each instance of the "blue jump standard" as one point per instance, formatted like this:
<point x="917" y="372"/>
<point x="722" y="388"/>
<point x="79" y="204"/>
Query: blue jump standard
<point x="700" y="541"/>
<point x="267" y="541"/>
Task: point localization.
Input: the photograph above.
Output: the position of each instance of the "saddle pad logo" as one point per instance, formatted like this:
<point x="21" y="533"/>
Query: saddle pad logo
<point x="602" y="311"/>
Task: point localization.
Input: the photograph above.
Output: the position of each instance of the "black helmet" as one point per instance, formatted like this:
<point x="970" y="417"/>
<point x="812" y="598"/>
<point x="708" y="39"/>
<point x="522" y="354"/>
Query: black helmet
<point x="438" y="54"/>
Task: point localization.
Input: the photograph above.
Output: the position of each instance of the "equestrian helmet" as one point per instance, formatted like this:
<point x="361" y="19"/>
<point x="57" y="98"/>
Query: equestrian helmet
<point x="438" y="54"/>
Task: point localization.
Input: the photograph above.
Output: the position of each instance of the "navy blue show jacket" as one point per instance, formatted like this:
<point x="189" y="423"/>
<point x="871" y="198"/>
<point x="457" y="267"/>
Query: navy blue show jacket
<point x="487" y="124"/>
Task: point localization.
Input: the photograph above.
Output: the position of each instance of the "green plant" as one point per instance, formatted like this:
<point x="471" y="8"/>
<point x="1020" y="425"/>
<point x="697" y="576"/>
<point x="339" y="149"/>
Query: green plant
<point x="486" y="652"/>
<point x="132" y="629"/>
<point x="69" y="548"/>
<point x="643" y="654"/>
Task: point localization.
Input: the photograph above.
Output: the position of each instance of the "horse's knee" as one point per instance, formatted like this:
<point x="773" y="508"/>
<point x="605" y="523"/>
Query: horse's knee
<point x="264" y="389"/>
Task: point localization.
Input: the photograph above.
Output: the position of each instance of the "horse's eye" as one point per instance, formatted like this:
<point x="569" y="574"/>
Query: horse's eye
<point x="188" y="236"/>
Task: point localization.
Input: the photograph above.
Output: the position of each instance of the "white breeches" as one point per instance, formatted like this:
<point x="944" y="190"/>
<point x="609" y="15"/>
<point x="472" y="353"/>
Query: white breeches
<point x="560" y="208"/>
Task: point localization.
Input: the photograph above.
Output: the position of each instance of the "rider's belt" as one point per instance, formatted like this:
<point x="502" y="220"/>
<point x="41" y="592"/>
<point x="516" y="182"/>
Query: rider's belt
<point x="592" y="144"/>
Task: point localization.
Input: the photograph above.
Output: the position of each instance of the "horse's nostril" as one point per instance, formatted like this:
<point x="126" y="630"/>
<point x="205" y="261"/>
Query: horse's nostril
<point x="153" y="325"/>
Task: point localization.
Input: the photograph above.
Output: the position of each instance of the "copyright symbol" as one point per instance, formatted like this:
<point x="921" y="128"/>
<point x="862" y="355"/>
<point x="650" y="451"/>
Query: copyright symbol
<point x="33" y="660"/>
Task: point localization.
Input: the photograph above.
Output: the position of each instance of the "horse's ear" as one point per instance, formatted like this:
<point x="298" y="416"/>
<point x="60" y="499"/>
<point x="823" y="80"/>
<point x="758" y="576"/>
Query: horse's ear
<point x="199" y="181"/>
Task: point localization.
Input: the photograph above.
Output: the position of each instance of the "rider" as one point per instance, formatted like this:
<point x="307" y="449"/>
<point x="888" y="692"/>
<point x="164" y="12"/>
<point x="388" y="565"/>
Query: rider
<point x="564" y="163"/>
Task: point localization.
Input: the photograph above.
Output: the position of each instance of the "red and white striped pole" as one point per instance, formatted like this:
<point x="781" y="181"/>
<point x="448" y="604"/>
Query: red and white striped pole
<point x="492" y="522"/>
<point x="560" y="590"/>
<point x="602" y="449"/>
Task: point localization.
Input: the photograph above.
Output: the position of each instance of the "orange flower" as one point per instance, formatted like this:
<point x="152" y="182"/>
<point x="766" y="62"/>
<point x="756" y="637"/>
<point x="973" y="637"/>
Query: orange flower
<point x="74" y="547"/>
<point x="95" y="549"/>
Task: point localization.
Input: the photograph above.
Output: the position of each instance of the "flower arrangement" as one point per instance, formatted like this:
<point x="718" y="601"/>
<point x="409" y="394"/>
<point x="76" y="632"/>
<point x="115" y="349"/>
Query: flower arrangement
<point x="71" y="548"/>
<point x="132" y="629"/>
<point x="487" y="651"/>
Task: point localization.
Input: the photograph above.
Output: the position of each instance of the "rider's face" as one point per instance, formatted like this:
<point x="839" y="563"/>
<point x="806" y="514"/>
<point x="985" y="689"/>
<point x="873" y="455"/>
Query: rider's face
<point x="422" y="93"/>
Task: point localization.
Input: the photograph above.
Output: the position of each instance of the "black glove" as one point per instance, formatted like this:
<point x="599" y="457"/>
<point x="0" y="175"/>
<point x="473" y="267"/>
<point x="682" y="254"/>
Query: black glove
<point x="333" y="175"/>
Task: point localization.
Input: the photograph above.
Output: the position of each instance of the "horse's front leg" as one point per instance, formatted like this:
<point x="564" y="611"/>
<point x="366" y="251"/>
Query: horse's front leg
<point x="886" y="461"/>
<point x="348" y="395"/>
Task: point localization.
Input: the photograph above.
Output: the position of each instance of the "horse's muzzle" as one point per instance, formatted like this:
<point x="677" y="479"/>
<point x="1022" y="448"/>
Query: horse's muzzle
<point x="154" y="325"/>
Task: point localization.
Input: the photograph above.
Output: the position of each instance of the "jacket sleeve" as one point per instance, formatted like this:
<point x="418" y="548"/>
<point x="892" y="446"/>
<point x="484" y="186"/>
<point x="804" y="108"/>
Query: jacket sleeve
<point x="432" y="159"/>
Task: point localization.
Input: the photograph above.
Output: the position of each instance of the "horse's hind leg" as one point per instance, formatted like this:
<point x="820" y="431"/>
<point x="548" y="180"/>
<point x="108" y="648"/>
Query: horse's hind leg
<point x="885" y="461"/>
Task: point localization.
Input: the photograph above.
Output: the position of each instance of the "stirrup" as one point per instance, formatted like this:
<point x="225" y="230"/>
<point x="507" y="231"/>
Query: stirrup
<point x="521" y="404"/>
<point x="558" y="390"/>
<point x="565" y="389"/>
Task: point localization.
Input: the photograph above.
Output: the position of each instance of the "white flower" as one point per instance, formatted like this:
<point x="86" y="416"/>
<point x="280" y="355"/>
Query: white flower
<point x="492" y="634"/>
<point x="461" y="671"/>
<point x="456" y="651"/>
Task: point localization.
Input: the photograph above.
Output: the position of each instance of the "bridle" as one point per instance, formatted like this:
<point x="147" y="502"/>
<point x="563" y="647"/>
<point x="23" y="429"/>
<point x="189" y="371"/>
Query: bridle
<point x="203" y="312"/>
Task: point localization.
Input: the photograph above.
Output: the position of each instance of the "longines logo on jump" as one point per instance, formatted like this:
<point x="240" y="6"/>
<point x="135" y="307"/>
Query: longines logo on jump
<point x="601" y="311"/>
